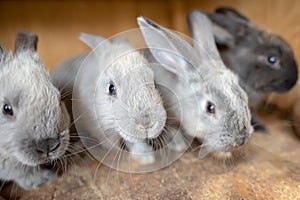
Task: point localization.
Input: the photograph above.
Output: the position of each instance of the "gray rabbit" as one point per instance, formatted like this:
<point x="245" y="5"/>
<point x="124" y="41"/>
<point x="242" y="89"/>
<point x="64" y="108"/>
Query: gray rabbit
<point x="34" y="123"/>
<point x="212" y="106"/>
<point x="114" y="97"/>
<point x="263" y="60"/>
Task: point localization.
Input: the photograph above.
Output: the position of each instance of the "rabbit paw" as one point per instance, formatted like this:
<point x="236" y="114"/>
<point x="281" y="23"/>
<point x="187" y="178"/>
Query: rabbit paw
<point x="144" y="159"/>
<point x="258" y="125"/>
<point x="36" y="178"/>
<point x="142" y="152"/>
<point x="177" y="142"/>
<point x="260" y="128"/>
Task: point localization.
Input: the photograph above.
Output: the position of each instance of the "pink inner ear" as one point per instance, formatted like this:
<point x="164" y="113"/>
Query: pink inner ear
<point x="170" y="61"/>
<point x="222" y="36"/>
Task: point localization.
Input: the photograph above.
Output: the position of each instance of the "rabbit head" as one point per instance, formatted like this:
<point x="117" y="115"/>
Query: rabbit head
<point x="214" y="108"/>
<point x="263" y="60"/>
<point x="126" y="100"/>
<point x="34" y="123"/>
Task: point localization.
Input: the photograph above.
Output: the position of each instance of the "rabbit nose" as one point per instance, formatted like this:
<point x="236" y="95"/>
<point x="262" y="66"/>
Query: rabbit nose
<point x="47" y="146"/>
<point x="240" y="141"/>
<point x="144" y="121"/>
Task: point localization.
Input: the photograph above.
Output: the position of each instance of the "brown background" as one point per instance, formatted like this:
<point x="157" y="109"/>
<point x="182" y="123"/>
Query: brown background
<point x="58" y="23"/>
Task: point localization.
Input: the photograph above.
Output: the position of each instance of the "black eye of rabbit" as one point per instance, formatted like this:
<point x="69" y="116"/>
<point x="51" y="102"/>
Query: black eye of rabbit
<point x="111" y="89"/>
<point x="7" y="109"/>
<point x="210" y="108"/>
<point x="272" y="59"/>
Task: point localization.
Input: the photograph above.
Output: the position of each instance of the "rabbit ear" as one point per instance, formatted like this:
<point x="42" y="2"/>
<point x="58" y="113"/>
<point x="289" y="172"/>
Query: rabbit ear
<point x="2" y="50"/>
<point x="3" y="54"/>
<point x="25" y="41"/>
<point x="202" y="33"/>
<point x="174" y="53"/>
<point x="231" y="13"/>
<point x="222" y="36"/>
<point x="228" y="26"/>
<point x="91" y="40"/>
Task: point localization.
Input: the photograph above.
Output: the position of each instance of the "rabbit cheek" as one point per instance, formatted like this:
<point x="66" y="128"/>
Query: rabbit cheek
<point x="33" y="151"/>
<point x="283" y="85"/>
<point x="25" y="152"/>
<point x="283" y="82"/>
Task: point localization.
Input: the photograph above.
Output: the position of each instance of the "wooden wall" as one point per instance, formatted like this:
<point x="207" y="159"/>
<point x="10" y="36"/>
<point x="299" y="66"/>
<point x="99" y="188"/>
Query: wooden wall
<point x="58" y="22"/>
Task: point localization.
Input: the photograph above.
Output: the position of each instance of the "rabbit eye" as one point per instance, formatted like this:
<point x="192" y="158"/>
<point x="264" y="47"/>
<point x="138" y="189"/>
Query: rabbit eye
<point x="272" y="59"/>
<point x="111" y="89"/>
<point x="7" y="109"/>
<point x="210" y="108"/>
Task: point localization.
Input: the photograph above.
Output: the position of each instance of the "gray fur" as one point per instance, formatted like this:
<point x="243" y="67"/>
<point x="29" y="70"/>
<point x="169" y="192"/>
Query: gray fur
<point x="26" y="41"/>
<point x="134" y="114"/>
<point x="196" y="76"/>
<point x="245" y="48"/>
<point x="37" y="131"/>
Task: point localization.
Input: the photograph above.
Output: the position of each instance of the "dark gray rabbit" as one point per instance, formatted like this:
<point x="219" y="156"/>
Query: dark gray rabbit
<point x="263" y="60"/>
<point x="212" y="106"/>
<point x="34" y="123"/>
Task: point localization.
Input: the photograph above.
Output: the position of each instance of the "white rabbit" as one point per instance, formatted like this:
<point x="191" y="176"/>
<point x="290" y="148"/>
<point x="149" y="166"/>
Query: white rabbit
<point x="34" y="123"/>
<point x="114" y="97"/>
<point x="213" y="107"/>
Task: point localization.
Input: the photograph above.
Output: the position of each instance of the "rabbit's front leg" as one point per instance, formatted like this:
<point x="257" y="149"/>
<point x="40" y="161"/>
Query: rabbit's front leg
<point x="141" y="151"/>
<point x="177" y="142"/>
<point x="31" y="177"/>
<point x="258" y="124"/>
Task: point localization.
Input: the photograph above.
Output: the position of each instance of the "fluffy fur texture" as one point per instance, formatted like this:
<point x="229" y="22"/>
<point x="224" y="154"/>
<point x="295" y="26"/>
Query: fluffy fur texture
<point x="134" y="112"/>
<point x="212" y="106"/>
<point x="263" y="60"/>
<point x="36" y="130"/>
